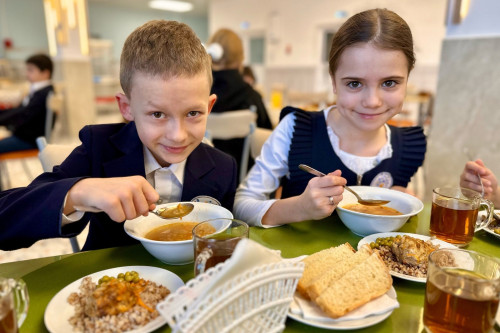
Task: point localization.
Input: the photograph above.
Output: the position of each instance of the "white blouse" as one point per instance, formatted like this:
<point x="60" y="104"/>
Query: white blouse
<point x="253" y="195"/>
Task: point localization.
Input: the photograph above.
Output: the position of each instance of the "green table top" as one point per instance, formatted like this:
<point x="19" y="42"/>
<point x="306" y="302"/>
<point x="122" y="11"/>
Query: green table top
<point x="46" y="276"/>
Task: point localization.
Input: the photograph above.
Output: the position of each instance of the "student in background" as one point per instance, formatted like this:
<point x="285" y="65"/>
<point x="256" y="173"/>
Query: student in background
<point x="123" y="169"/>
<point x="27" y="121"/>
<point x="233" y="93"/>
<point x="371" y="57"/>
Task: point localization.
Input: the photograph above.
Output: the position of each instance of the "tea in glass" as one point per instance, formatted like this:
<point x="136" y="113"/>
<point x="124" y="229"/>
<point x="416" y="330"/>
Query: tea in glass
<point x="461" y="295"/>
<point x="454" y="214"/>
<point x="211" y="249"/>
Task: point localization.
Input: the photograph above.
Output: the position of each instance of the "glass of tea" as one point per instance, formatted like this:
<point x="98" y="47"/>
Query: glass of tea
<point x="211" y="248"/>
<point x="14" y="303"/>
<point x="462" y="291"/>
<point x="454" y="214"/>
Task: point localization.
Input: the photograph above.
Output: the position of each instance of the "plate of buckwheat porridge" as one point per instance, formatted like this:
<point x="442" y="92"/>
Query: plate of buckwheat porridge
<point x="405" y="254"/>
<point x="121" y="299"/>
<point x="494" y="227"/>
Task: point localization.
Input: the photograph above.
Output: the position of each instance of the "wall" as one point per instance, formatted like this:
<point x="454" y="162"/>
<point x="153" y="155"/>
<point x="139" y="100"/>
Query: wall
<point x="467" y="102"/>
<point x="115" y="24"/>
<point x="294" y="31"/>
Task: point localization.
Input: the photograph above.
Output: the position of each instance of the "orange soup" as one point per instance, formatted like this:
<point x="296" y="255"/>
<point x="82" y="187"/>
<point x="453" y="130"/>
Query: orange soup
<point x="374" y="210"/>
<point x="177" y="231"/>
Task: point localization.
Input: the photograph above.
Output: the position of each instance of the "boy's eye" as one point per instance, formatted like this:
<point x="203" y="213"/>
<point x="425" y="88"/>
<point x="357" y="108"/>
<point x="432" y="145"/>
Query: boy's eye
<point x="157" y="115"/>
<point x="354" y="84"/>
<point x="389" y="83"/>
<point x="193" y="113"/>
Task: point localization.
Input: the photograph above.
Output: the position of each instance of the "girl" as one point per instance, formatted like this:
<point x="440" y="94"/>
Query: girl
<point x="370" y="59"/>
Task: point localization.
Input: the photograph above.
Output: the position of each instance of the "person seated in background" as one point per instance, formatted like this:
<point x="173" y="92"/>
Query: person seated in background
<point x="27" y="121"/>
<point x="370" y="60"/>
<point x="125" y="168"/>
<point x="469" y="178"/>
<point x="248" y="75"/>
<point x="233" y="93"/>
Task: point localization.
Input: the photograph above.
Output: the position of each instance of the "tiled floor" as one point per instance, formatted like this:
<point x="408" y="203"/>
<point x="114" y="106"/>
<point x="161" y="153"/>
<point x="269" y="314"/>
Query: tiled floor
<point x="18" y="178"/>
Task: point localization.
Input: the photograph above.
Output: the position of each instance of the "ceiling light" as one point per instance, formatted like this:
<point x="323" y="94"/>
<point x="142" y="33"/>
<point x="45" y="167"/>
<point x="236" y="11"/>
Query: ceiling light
<point x="170" y="5"/>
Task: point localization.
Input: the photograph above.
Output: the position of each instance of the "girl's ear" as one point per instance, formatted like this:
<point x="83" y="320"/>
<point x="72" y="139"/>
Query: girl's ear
<point x="333" y="84"/>
<point x="124" y="106"/>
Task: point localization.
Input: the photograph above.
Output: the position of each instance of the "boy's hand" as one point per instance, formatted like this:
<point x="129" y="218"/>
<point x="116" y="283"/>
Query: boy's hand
<point x="469" y="179"/>
<point x="322" y="195"/>
<point x="121" y="198"/>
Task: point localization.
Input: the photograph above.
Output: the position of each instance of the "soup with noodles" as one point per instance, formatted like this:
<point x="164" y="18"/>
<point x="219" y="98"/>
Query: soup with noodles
<point x="177" y="231"/>
<point x="374" y="210"/>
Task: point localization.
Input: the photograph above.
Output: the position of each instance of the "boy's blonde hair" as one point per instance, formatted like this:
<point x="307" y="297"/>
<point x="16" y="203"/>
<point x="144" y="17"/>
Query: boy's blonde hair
<point x="163" y="49"/>
<point x="232" y="45"/>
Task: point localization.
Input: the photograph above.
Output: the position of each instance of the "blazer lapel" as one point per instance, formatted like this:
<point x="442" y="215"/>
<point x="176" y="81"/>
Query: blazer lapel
<point x="130" y="155"/>
<point x="198" y="164"/>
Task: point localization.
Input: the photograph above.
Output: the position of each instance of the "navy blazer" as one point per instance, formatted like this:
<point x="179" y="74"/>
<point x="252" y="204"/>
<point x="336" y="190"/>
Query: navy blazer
<point x="28" y="122"/>
<point x="114" y="150"/>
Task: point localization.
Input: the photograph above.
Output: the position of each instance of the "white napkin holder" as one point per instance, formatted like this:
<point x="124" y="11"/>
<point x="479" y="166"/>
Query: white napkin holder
<point x="250" y="292"/>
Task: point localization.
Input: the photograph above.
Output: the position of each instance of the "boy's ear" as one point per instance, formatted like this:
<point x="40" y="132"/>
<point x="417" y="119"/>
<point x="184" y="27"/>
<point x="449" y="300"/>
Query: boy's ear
<point x="124" y="106"/>
<point x="211" y="102"/>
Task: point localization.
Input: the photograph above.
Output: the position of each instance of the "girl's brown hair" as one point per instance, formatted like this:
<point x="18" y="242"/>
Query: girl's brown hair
<point x="381" y="27"/>
<point x="232" y="45"/>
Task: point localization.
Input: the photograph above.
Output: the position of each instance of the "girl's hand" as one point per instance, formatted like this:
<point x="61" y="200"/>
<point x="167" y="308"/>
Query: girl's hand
<point x="322" y="195"/>
<point x="469" y="179"/>
<point x="122" y="198"/>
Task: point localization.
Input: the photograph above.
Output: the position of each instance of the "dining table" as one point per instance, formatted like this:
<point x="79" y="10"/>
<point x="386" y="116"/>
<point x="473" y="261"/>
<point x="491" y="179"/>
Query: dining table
<point x="45" y="277"/>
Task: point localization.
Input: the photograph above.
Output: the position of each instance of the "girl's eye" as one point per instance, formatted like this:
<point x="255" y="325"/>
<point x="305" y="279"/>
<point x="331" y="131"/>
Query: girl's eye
<point x="389" y="84"/>
<point x="157" y="115"/>
<point x="354" y="84"/>
<point x="193" y="113"/>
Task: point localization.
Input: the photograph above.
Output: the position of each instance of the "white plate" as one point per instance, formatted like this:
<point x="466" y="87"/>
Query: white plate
<point x="58" y="310"/>
<point x="373" y="238"/>
<point x="488" y="230"/>
<point x="346" y="324"/>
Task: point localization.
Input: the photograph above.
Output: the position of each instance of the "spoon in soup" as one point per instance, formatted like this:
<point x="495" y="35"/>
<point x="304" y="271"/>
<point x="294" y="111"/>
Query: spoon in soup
<point x="366" y="202"/>
<point x="178" y="211"/>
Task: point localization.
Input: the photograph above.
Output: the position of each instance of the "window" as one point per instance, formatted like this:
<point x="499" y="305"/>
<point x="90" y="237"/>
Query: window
<point x="328" y="37"/>
<point x="257" y="48"/>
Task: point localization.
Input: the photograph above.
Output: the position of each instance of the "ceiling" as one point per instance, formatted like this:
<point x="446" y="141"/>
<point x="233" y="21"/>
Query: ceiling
<point x="200" y="6"/>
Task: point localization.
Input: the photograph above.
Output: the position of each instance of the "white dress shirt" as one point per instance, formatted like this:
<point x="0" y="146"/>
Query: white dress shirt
<point x="34" y="87"/>
<point x="252" y="197"/>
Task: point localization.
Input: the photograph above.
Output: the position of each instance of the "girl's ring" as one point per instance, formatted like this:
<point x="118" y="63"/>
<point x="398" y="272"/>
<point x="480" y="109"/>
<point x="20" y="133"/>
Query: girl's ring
<point x="330" y="198"/>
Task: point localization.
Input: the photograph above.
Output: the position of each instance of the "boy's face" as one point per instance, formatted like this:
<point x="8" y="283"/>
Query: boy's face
<point x="170" y="115"/>
<point x="34" y="74"/>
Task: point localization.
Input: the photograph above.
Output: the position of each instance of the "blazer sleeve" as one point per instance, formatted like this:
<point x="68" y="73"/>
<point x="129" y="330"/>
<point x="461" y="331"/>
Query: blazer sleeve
<point x="32" y="213"/>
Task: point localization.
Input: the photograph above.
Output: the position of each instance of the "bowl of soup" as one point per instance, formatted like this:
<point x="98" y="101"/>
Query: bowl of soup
<point x="171" y="241"/>
<point x="366" y="220"/>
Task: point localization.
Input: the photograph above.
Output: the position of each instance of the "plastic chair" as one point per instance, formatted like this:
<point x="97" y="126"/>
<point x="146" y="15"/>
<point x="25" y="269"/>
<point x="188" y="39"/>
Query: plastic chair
<point x="234" y="125"/>
<point x="54" y="106"/>
<point x="51" y="155"/>
<point x="257" y="139"/>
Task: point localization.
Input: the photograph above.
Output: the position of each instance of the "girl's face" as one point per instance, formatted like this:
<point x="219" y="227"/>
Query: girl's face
<point x="370" y="84"/>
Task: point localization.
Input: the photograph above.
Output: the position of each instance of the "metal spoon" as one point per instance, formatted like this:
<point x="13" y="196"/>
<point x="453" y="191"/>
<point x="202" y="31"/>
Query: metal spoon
<point x="367" y="202"/>
<point x="166" y="213"/>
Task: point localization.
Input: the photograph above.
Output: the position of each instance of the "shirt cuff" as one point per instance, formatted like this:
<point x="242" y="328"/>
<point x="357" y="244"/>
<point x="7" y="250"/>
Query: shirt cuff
<point x="73" y="217"/>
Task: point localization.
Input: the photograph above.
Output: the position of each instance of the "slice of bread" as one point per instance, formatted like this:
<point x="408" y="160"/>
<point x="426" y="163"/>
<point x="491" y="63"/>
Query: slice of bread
<point x="317" y="263"/>
<point x="332" y="274"/>
<point x="366" y="281"/>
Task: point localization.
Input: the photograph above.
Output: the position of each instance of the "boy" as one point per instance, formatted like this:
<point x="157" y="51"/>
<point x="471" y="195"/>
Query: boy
<point x="165" y="74"/>
<point x="27" y="121"/>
